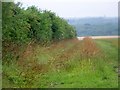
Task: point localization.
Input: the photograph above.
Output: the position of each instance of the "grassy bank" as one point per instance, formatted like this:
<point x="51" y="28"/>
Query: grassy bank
<point x="69" y="63"/>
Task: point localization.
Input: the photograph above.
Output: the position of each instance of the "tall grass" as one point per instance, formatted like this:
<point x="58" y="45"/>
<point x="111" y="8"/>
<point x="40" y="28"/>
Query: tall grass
<point x="69" y="63"/>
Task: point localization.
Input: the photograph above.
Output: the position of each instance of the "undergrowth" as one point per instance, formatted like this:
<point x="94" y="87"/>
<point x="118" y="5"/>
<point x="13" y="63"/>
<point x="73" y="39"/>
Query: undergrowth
<point x="69" y="63"/>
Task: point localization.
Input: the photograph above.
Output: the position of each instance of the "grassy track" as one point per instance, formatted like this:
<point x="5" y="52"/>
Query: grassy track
<point x="70" y="63"/>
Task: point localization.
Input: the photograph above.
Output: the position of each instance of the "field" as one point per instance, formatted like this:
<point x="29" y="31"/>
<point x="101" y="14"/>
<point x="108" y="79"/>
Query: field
<point x="70" y="63"/>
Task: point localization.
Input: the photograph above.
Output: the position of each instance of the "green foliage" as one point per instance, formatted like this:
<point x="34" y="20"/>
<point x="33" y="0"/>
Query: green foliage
<point x="23" y="27"/>
<point x="20" y="25"/>
<point x="15" y="27"/>
<point x="44" y="35"/>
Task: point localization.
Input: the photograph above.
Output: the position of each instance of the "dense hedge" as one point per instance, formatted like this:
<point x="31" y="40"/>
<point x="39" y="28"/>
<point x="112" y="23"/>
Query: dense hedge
<point x="32" y="24"/>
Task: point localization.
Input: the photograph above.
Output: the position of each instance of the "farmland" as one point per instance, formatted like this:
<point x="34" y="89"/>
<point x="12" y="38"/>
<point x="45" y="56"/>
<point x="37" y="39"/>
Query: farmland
<point x="66" y="64"/>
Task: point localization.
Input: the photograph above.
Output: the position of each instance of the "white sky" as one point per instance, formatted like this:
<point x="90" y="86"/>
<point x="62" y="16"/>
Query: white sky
<point x="77" y="8"/>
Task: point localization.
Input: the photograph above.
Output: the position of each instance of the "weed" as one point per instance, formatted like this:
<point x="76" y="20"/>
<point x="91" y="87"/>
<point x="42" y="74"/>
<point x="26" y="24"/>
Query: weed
<point x="69" y="63"/>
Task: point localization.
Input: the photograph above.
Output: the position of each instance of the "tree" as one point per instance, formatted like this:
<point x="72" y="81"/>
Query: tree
<point x="21" y="26"/>
<point x="15" y="26"/>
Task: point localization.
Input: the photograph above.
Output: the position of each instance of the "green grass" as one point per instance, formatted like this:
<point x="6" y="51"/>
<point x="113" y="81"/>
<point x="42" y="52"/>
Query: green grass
<point x="63" y="66"/>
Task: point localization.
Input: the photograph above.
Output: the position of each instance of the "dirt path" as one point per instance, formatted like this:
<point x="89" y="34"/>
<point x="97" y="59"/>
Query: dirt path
<point x="99" y="37"/>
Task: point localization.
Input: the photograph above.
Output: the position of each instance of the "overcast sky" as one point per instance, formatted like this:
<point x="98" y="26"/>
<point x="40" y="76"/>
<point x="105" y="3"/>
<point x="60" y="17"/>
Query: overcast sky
<point x="77" y="8"/>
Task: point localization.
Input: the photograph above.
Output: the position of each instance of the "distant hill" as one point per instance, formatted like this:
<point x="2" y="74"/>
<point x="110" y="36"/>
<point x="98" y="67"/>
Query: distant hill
<point x="95" y="26"/>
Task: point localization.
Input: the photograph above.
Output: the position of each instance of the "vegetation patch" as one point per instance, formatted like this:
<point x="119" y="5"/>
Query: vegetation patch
<point x="66" y="65"/>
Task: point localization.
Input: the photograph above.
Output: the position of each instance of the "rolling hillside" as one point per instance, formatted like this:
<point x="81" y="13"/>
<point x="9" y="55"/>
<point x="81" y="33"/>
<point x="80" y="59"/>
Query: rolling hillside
<point x="95" y="26"/>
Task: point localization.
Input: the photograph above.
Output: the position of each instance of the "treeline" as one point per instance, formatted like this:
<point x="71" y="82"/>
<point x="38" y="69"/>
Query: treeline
<point x="32" y="24"/>
<point x="99" y="26"/>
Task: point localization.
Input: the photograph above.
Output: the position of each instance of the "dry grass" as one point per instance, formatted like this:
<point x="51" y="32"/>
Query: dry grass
<point x="59" y="59"/>
<point x="68" y="56"/>
<point x="85" y="48"/>
<point x="89" y="48"/>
